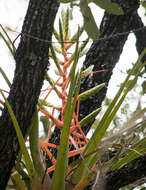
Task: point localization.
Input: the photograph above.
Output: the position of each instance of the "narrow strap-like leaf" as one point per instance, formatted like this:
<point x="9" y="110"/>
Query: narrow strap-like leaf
<point x="89" y="117"/>
<point x="5" y="77"/>
<point x="27" y="159"/>
<point x="56" y="60"/>
<point x="89" y="22"/>
<point x="83" y="96"/>
<point x="112" y="8"/>
<point x="61" y="34"/>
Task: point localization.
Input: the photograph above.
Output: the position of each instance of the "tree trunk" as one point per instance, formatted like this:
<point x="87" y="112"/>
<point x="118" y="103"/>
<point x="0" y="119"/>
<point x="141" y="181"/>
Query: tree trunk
<point x="31" y="65"/>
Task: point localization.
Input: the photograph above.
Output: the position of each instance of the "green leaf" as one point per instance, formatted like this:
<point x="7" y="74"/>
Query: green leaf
<point x="83" y="96"/>
<point x="45" y="121"/>
<point x="57" y="50"/>
<point x="102" y="126"/>
<point x="131" y="84"/>
<point x="88" y="70"/>
<point x="65" y="23"/>
<point x="112" y="8"/>
<point x="143" y="3"/>
<point x="135" y="152"/>
<point x="34" y="144"/>
<point x="144" y="87"/>
<point x="7" y="42"/>
<point x="55" y="59"/>
<point x="5" y="77"/>
<point x="85" y="181"/>
<point x="24" y="175"/>
<point x="89" y="117"/>
<point x="66" y="29"/>
<point x="35" y="149"/>
<point x="83" y="45"/>
<point x="56" y="35"/>
<point x="27" y="159"/>
<point x="17" y="181"/>
<point x="47" y="77"/>
<point x="61" y="34"/>
<point x="74" y="37"/>
<point x="89" y="22"/>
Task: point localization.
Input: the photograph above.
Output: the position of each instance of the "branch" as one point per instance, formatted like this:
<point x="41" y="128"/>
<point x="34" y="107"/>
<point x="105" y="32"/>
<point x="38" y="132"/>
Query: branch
<point x="31" y="65"/>
<point x="140" y="35"/>
<point x="128" y="174"/>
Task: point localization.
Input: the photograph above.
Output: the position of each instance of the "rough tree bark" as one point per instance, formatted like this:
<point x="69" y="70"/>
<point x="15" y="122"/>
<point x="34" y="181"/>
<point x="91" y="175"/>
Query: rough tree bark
<point x="128" y="174"/>
<point x="31" y="65"/>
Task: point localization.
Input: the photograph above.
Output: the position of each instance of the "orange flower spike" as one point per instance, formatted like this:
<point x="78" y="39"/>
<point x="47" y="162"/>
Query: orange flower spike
<point x="43" y="144"/>
<point x="62" y="64"/>
<point x="66" y="58"/>
<point x="67" y="82"/>
<point x="75" y="152"/>
<point x="78" y="108"/>
<point x="79" y="127"/>
<point x="57" y="108"/>
<point x="73" y="127"/>
<point x="52" y="158"/>
<point x="59" y="84"/>
<point x="45" y="90"/>
<point x="50" y="169"/>
<point x="67" y="64"/>
<point x="66" y="46"/>
<point x="76" y="134"/>
<point x="81" y="142"/>
<point x="45" y="149"/>
<point x="64" y="72"/>
<point x="48" y="89"/>
<point x="57" y="122"/>
<point x="65" y="54"/>
<point x="86" y="140"/>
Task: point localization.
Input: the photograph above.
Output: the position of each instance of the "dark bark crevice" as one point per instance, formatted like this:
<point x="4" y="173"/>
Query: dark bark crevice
<point x="31" y="65"/>
<point x="128" y="174"/>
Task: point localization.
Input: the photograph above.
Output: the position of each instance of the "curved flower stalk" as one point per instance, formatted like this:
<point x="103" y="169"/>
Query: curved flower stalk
<point x="68" y="78"/>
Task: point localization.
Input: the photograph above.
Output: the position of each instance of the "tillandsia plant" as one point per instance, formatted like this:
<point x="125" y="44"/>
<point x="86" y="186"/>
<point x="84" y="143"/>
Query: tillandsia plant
<point x="30" y="171"/>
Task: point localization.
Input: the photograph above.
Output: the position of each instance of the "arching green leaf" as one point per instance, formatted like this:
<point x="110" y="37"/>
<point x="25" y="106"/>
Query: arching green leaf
<point x="92" y="91"/>
<point x="89" y="22"/>
<point x="27" y="158"/>
<point x="89" y="117"/>
<point x="112" y="8"/>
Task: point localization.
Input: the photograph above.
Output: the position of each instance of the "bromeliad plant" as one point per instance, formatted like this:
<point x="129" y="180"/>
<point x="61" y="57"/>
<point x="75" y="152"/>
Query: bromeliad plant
<point x="67" y="78"/>
<point x="30" y="171"/>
